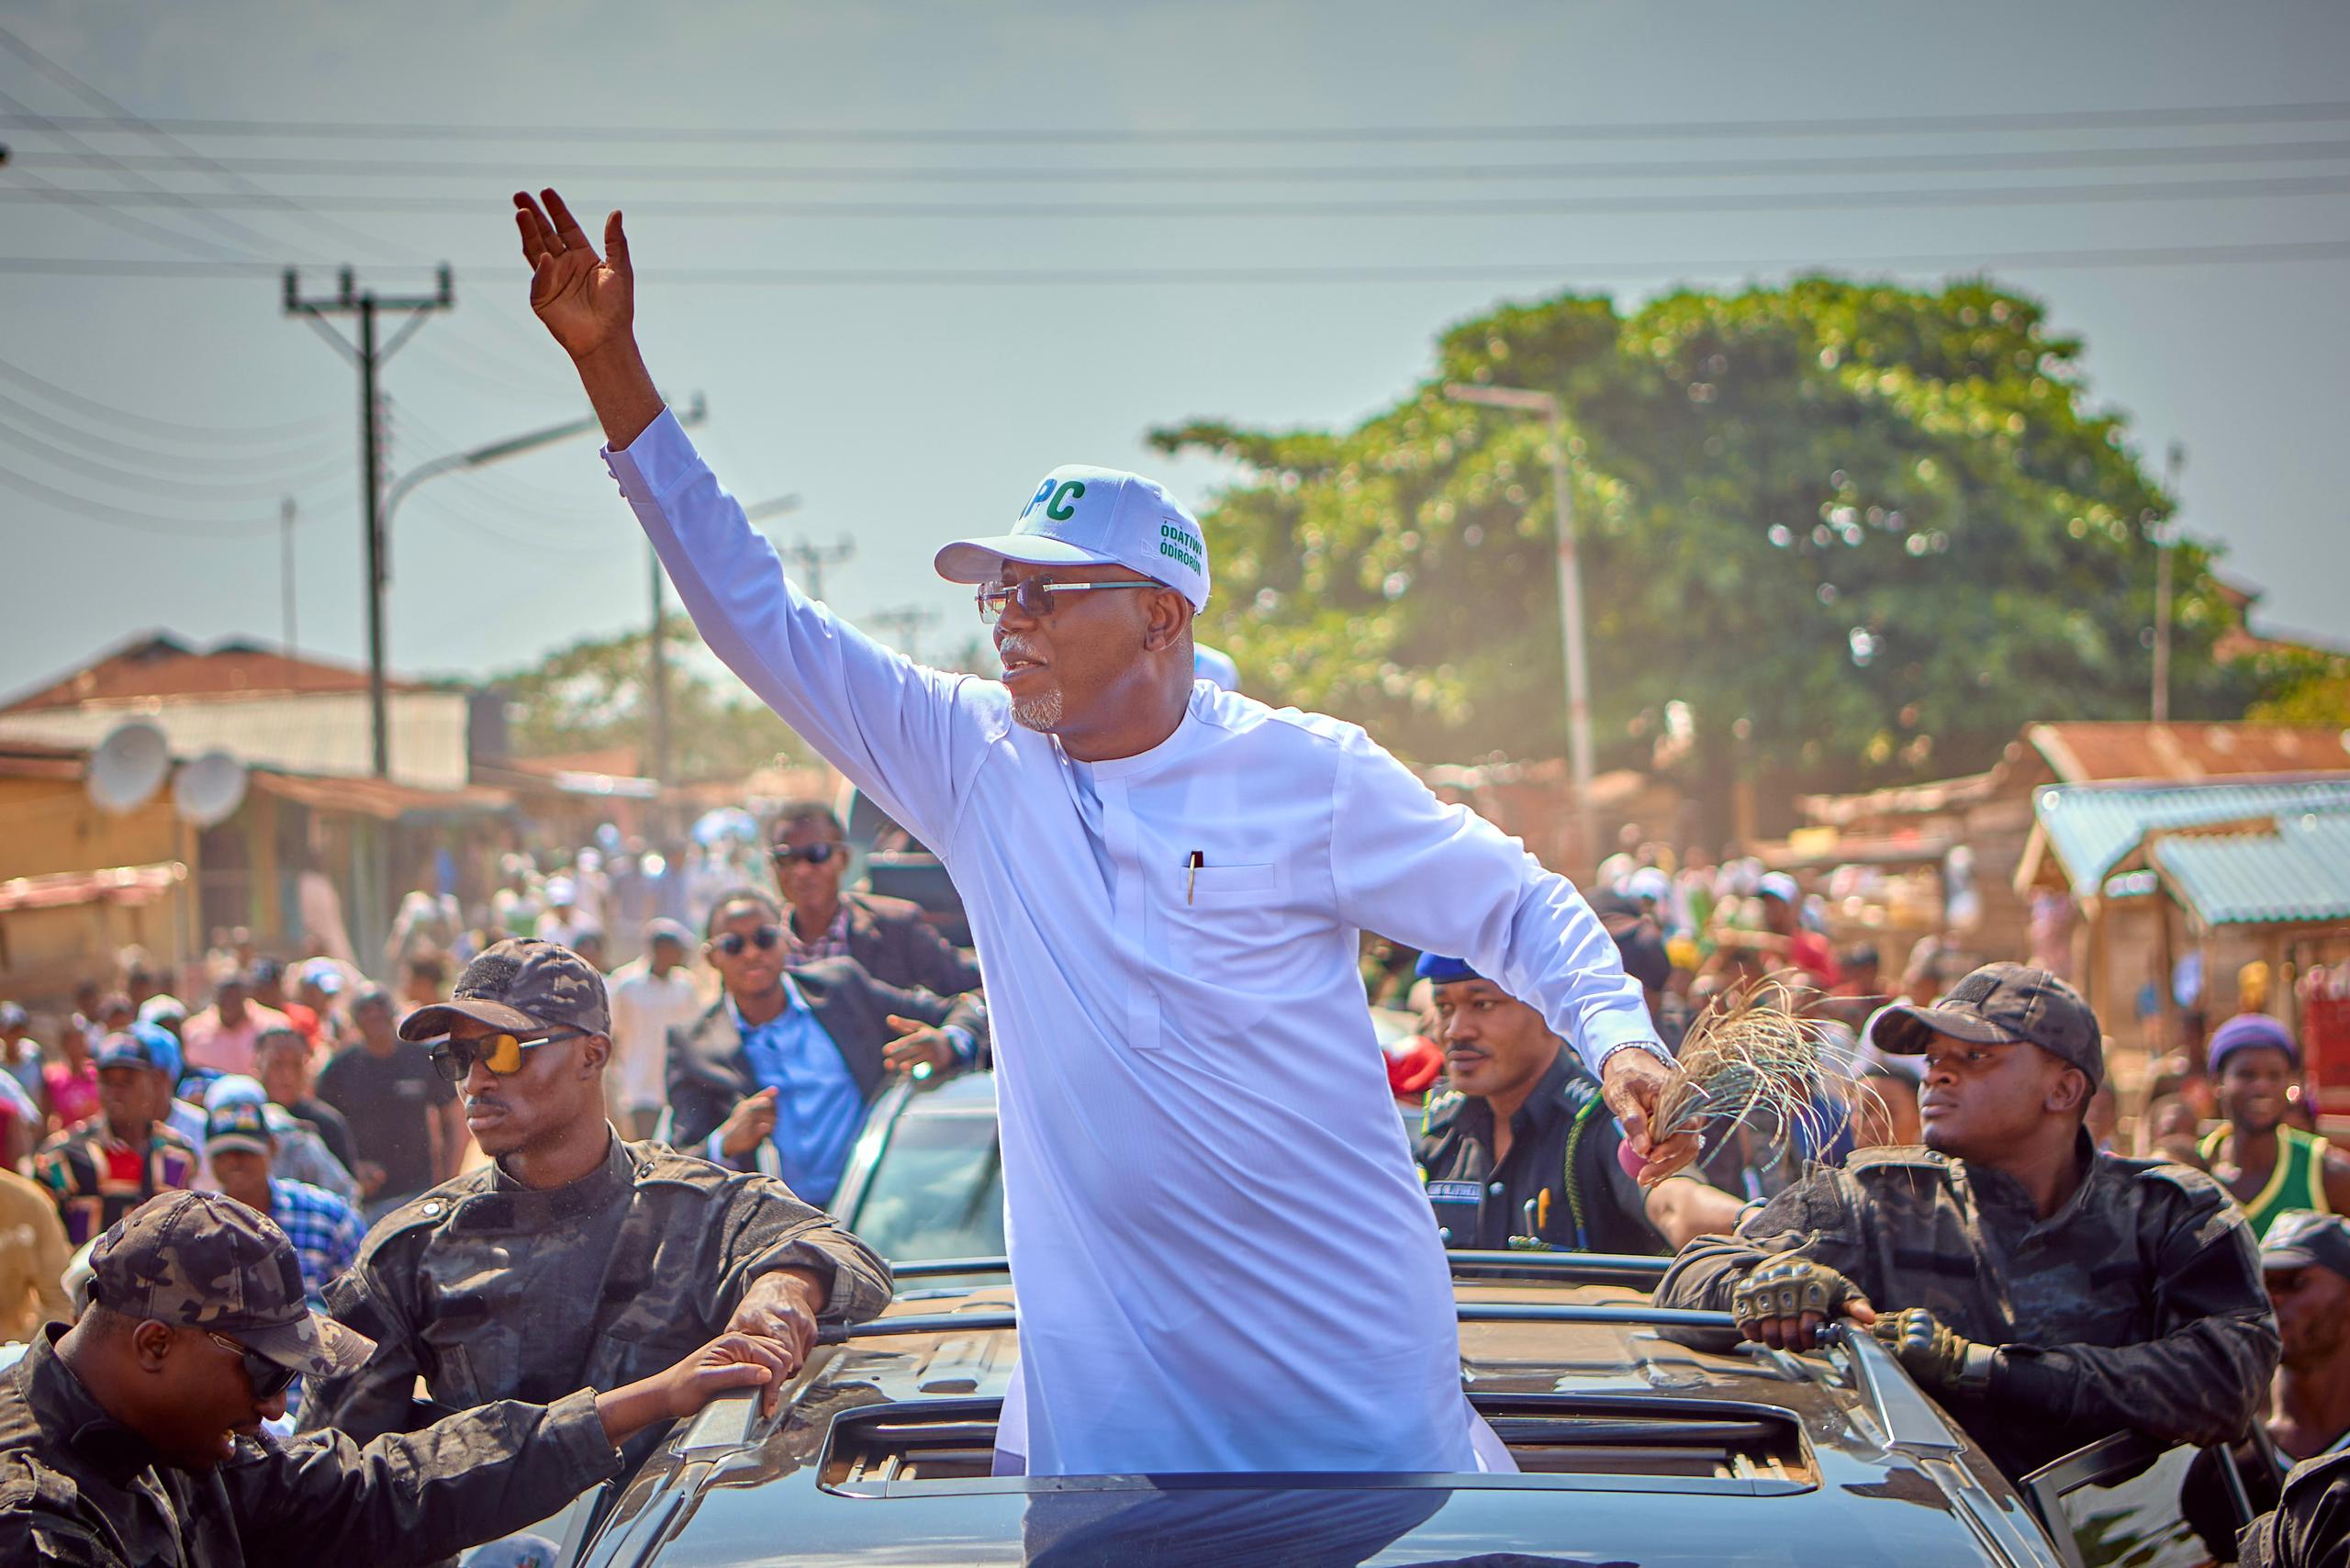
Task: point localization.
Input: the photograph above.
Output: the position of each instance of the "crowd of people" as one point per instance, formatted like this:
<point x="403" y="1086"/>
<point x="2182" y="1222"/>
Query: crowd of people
<point x="591" y="1201"/>
<point x="1959" y="1197"/>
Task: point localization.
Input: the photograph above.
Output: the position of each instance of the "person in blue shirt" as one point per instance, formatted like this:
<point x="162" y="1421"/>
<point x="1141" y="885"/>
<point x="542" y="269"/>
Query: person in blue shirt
<point x="779" y="1073"/>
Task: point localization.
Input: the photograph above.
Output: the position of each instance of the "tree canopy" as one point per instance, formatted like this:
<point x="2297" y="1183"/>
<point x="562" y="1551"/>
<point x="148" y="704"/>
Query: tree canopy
<point x="596" y="694"/>
<point x="1847" y="531"/>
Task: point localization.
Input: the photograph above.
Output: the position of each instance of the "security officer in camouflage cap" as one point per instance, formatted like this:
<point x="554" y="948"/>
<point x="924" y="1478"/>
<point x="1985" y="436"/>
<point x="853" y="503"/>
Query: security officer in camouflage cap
<point x="136" y="1435"/>
<point x="574" y="1256"/>
<point x="2049" y="1294"/>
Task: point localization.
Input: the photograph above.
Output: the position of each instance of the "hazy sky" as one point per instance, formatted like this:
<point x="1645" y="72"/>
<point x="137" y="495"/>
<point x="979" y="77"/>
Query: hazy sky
<point x="905" y="411"/>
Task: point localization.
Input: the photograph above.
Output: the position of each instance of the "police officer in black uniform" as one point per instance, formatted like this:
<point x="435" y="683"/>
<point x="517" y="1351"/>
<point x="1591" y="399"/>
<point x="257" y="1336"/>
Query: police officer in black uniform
<point x="573" y="1257"/>
<point x="1521" y="1152"/>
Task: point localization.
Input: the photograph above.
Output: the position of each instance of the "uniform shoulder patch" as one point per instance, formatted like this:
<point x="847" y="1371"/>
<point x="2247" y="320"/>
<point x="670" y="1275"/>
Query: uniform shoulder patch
<point x="2199" y="1186"/>
<point x="1895" y="1159"/>
<point x="655" y="1163"/>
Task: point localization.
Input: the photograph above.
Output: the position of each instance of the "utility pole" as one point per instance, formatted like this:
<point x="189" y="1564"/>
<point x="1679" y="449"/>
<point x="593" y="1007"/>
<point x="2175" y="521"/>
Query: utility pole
<point x="1553" y="409"/>
<point x="285" y="567"/>
<point x="370" y="357"/>
<point x="812" y="560"/>
<point x="906" y="622"/>
<point x="2165" y="538"/>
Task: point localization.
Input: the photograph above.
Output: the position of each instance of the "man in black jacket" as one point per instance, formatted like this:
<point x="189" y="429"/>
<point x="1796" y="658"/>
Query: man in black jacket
<point x="2045" y="1292"/>
<point x="888" y="936"/>
<point x="1521" y="1151"/>
<point x="790" y="1057"/>
<point x="133" y="1437"/>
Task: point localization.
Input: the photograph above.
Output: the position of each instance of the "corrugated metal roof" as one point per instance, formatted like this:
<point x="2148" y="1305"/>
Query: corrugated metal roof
<point x="2186" y="752"/>
<point x="2301" y="872"/>
<point x="2092" y="828"/>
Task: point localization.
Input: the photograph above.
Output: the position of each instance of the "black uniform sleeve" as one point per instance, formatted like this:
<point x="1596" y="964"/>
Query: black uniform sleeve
<point x="2204" y="1375"/>
<point x="380" y="1397"/>
<point x="763" y="1227"/>
<point x="1817" y="1216"/>
<point x="415" y="1498"/>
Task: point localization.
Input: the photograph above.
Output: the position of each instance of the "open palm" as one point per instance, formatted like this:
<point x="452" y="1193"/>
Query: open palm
<point x="587" y="301"/>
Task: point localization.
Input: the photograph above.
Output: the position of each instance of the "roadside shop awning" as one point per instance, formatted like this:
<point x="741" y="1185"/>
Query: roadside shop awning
<point x="2297" y="873"/>
<point x="2084" y="833"/>
<point x="67" y="890"/>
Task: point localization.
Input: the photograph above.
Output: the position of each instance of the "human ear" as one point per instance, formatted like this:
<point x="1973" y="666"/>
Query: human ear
<point x="151" y="1342"/>
<point x="595" y="1051"/>
<point x="2070" y="1091"/>
<point x="1168" y="613"/>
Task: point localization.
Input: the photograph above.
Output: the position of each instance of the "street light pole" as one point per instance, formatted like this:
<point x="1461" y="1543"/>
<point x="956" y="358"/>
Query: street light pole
<point x="1571" y="629"/>
<point x="656" y="675"/>
<point x="2166" y="535"/>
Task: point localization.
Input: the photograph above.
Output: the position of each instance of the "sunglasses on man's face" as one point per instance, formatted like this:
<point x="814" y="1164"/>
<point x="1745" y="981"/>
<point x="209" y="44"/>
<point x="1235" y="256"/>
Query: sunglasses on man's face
<point x="733" y="942"/>
<point x="1035" y="595"/>
<point x="269" y="1378"/>
<point x="807" y="855"/>
<point x="502" y="1054"/>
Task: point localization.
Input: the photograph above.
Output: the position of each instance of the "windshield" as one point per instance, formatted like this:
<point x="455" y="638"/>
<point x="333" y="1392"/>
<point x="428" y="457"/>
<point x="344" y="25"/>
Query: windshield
<point x="935" y="1191"/>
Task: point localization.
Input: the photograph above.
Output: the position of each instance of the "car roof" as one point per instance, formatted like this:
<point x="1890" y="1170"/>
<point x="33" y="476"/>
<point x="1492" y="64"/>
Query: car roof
<point x="733" y="1494"/>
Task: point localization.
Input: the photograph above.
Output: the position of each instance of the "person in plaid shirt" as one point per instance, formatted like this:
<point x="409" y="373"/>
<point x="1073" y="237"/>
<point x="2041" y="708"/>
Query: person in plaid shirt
<point x="325" y="1230"/>
<point x="101" y="1169"/>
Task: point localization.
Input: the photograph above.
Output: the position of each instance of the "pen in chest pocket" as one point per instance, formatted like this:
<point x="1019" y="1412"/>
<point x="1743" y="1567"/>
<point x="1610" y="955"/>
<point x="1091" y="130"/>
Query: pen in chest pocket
<point x="1191" y="874"/>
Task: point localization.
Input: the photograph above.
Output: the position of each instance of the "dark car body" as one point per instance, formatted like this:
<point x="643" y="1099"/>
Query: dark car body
<point x="1642" y="1435"/>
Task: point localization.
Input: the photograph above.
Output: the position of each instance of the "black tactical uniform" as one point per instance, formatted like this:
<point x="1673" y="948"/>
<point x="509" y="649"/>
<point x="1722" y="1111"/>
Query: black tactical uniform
<point x="2137" y="1305"/>
<point x="2310" y="1528"/>
<point x="490" y="1290"/>
<point x="79" y="1488"/>
<point x="1562" y="1161"/>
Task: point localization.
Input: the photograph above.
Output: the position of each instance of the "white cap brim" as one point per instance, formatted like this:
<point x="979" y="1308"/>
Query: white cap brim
<point x="981" y="560"/>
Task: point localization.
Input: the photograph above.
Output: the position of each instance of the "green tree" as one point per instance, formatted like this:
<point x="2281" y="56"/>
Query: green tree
<point x="596" y="693"/>
<point x="1863" y="532"/>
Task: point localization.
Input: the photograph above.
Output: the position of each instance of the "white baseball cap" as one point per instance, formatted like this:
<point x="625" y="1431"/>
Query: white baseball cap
<point x="1093" y="517"/>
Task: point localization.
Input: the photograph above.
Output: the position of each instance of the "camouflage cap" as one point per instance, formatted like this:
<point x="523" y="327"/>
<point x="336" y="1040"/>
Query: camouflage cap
<point x="2299" y="1239"/>
<point x="521" y="984"/>
<point x="2000" y="1005"/>
<point x="204" y="1260"/>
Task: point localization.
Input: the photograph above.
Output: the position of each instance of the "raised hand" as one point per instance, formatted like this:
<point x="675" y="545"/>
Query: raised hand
<point x="588" y="302"/>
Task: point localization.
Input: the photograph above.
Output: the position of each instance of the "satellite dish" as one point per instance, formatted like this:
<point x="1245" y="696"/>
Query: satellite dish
<point x="209" y="790"/>
<point x="129" y="765"/>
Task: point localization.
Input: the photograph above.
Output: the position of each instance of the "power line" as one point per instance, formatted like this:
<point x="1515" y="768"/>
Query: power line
<point x="163" y="429"/>
<point x="2193" y="155"/>
<point x="2102" y="257"/>
<point x="228" y="226"/>
<point x="166" y="464"/>
<point x="197" y="530"/>
<point x="57" y="73"/>
<point x="606" y="133"/>
<point x="2262" y="187"/>
<point x="167" y="487"/>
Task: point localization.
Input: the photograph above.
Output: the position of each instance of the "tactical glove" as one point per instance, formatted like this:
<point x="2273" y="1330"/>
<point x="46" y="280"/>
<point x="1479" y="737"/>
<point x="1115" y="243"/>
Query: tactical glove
<point x="1936" y="1355"/>
<point x="1786" y="1287"/>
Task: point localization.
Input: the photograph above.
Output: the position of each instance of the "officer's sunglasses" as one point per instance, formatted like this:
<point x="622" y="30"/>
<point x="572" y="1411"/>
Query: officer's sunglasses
<point x="733" y="942"/>
<point x="269" y="1378"/>
<point x="807" y="855"/>
<point x="502" y="1054"/>
<point x="1033" y="594"/>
